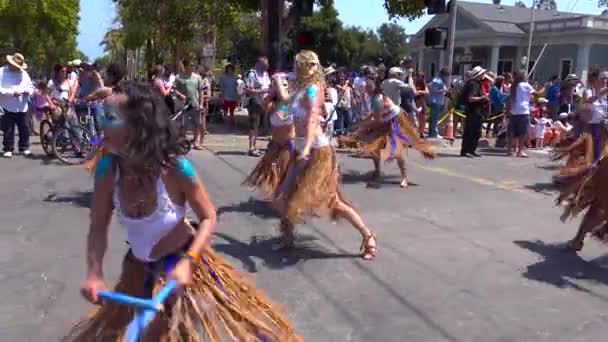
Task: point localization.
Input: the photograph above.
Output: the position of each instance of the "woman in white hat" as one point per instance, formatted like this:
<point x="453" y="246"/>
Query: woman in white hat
<point x="15" y="89"/>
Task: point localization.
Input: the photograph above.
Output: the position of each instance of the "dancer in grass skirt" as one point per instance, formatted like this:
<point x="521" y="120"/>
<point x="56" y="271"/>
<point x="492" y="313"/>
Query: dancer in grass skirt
<point x="271" y="168"/>
<point x="145" y="177"/>
<point x="311" y="184"/>
<point x="385" y="135"/>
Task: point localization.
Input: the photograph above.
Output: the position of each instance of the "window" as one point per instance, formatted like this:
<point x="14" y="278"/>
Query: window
<point x="505" y="66"/>
<point x="565" y="68"/>
<point x="432" y="70"/>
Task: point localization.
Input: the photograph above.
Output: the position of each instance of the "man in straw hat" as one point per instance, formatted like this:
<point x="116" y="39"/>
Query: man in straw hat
<point x="15" y="89"/>
<point x="475" y="103"/>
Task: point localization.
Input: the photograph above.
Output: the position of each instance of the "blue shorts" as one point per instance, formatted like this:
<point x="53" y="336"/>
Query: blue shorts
<point x="519" y="125"/>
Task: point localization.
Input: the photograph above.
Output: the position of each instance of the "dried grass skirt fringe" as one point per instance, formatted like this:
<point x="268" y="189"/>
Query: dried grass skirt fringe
<point x="379" y="137"/>
<point x="269" y="171"/>
<point x="585" y="190"/>
<point x="313" y="188"/>
<point x="205" y="311"/>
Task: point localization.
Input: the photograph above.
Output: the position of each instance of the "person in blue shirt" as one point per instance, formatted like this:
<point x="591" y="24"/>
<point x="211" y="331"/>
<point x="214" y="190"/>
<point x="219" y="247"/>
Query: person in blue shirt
<point x="553" y="96"/>
<point x="438" y="92"/>
<point x="498" y="99"/>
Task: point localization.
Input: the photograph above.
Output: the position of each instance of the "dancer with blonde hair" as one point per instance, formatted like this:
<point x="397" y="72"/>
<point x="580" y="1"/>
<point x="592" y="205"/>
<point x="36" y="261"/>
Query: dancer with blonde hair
<point x="311" y="184"/>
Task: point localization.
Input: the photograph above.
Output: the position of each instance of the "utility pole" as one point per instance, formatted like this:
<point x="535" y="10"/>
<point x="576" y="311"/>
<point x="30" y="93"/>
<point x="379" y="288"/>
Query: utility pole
<point x="452" y="36"/>
<point x="531" y="33"/>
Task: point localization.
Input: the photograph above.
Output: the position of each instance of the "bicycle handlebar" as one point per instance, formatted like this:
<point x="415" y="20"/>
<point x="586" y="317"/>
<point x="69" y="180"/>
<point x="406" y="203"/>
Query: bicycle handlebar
<point x="155" y="304"/>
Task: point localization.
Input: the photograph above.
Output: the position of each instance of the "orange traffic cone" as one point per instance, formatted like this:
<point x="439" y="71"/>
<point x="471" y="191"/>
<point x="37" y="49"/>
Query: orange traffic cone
<point x="448" y="130"/>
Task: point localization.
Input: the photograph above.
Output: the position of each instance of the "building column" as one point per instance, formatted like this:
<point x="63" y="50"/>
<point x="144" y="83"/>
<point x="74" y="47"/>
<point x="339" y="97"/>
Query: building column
<point x="420" y="59"/>
<point x="582" y="61"/>
<point x="442" y="61"/>
<point x="518" y="56"/>
<point x="494" y="56"/>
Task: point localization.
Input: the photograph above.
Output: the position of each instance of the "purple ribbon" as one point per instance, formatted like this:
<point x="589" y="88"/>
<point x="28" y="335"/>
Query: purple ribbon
<point x="396" y="134"/>
<point x="290" y="146"/>
<point x="597" y="146"/>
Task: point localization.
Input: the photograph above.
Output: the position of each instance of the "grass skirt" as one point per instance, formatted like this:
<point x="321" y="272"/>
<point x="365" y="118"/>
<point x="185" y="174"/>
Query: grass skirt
<point x="578" y="155"/>
<point x="220" y="305"/>
<point x="377" y="137"/>
<point x="588" y="190"/>
<point x="269" y="171"/>
<point x="312" y="188"/>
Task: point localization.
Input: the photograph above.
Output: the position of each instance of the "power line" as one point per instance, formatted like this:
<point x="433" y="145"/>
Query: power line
<point x="573" y="6"/>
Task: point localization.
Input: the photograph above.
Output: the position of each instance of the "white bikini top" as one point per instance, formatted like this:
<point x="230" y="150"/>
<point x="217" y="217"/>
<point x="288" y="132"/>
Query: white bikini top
<point x="281" y="117"/>
<point x="300" y="113"/>
<point x="144" y="233"/>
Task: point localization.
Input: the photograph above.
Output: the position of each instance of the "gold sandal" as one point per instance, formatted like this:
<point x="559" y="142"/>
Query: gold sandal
<point x="368" y="252"/>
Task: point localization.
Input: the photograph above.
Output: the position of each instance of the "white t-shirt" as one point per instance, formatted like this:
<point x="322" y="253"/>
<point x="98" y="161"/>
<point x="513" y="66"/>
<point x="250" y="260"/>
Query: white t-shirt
<point x="598" y="107"/>
<point x="331" y="104"/>
<point x="258" y="81"/>
<point x="521" y="105"/>
<point x="59" y="92"/>
<point x="541" y="125"/>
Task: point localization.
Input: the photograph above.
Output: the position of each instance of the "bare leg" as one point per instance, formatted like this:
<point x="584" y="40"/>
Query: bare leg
<point x="376" y="173"/>
<point x="369" y="239"/>
<point x="592" y="219"/>
<point x="403" y="169"/>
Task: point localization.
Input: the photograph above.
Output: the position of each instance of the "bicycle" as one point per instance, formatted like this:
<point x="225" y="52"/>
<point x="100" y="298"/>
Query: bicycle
<point x="76" y="138"/>
<point x="46" y="129"/>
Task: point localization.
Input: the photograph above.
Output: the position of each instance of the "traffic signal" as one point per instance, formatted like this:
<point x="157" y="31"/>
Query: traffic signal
<point x="435" y="6"/>
<point x="305" y="40"/>
<point x="433" y="36"/>
<point x="304" y="7"/>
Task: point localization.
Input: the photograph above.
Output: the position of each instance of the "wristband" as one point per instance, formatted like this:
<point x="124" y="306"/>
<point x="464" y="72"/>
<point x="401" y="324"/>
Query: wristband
<point x="193" y="256"/>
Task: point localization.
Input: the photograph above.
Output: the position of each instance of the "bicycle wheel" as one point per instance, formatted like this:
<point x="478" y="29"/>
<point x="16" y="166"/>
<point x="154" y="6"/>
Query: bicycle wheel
<point x="46" y="137"/>
<point x="69" y="151"/>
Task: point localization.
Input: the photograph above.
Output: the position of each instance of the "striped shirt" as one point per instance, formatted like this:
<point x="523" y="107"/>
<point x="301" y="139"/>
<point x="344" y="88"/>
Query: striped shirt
<point x="11" y="81"/>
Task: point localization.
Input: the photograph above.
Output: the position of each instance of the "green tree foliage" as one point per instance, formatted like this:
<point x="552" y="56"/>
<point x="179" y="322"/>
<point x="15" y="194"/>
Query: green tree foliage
<point x="169" y="30"/>
<point x="394" y="42"/>
<point x="241" y="43"/>
<point x="410" y="9"/>
<point x="353" y="46"/>
<point x="44" y="31"/>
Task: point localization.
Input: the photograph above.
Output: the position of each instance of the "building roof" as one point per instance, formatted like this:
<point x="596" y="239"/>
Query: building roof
<point x="511" y="14"/>
<point x="501" y="27"/>
<point x="503" y="19"/>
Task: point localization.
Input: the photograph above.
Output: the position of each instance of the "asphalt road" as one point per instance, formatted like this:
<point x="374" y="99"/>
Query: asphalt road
<point x="470" y="252"/>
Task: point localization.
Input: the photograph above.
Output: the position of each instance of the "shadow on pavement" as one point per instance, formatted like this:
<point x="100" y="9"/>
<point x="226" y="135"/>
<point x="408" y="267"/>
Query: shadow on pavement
<point x="355" y="177"/>
<point x="559" y="265"/>
<point x="550" y="167"/>
<point x="253" y="206"/>
<point x="544" y="188"/>
<point x="80" y="198"/>
<point x="230" y="153"/>
<point x="44" y="159"/>
<point x="261" y="247"/>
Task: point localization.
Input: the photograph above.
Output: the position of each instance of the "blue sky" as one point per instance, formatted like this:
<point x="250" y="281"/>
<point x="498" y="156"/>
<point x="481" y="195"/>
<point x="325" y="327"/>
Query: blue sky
<point x="96" y="16"/>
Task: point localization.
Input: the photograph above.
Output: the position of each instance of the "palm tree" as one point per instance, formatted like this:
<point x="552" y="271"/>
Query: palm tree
<point x="113" y="43"/>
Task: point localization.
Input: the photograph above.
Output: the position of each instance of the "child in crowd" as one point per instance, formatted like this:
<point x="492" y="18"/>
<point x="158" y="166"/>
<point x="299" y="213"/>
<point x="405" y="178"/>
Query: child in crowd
<point x="40" y="105"/>
<point x="543" y="130"/>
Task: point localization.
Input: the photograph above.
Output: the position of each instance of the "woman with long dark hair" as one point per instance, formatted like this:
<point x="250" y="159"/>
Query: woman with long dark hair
<point x="311" y="184"/>
<point x="519" y="115"/>
<point x="145" y="177"/>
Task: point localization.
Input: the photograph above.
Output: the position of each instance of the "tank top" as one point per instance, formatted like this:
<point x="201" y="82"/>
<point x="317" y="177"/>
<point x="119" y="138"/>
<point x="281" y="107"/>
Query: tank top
<point x="144" y="233"/>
